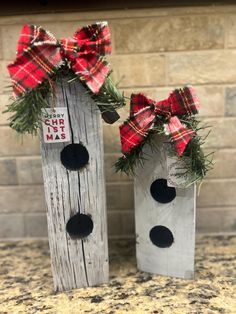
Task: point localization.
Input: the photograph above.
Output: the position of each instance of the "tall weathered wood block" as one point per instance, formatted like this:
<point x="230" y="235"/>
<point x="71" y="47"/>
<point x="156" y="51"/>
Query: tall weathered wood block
<point x="75" y="194"/>
<point x="164" y="219"/>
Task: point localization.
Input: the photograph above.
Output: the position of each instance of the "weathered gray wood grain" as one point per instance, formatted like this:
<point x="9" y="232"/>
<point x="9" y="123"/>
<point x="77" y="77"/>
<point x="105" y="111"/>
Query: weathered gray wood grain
<point x="76" y="262"/>
<point x="178" y="215"/>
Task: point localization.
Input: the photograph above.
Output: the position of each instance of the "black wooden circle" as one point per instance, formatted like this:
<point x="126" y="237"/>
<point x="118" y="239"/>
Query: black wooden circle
<point x="161" y="236"/>
<point x="110" y="116"/>
<point x="74" y="156"/>
<point x="161" y="192"/>
<point x="79" y="226"/>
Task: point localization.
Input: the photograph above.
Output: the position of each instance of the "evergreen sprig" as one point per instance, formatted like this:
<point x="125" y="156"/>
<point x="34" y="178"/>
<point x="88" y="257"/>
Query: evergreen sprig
<point x="128" y="162"/>
<point x="195" y="163"/>
<point x="27" y="109"/>
<point x="109" y="96"/>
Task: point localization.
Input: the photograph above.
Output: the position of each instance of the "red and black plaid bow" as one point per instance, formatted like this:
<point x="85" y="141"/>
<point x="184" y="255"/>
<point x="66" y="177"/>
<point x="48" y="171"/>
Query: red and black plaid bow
<point x="39" y="54"/>
<point x="143" y="112"/>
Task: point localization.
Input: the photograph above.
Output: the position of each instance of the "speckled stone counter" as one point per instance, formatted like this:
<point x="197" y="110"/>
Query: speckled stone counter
<point x="26" y="282"/>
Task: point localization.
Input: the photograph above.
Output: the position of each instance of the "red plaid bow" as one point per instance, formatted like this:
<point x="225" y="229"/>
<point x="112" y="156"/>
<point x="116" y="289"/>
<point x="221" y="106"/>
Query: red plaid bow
<point x="39" y="54"/>
<point x="143" y="112"/>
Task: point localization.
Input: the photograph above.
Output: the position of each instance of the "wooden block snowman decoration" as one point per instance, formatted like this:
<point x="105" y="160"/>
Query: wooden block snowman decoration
<point x="60" y="83"/>
<point x="75" y="191"/>
<point x="158" y="142"/>
<point x="165" y="235"/>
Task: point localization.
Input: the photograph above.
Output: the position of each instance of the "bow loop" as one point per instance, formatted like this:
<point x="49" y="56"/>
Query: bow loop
<point x="39" y="54"/>
<point x="139" y="102"/>
<point x="37" y="57"/>
<point x="143" y="113"/>
<point x="184" y="102"/>
<point x="135" y="129"/>
<point x="31" y="36"/>
<point x="95" y="38"/>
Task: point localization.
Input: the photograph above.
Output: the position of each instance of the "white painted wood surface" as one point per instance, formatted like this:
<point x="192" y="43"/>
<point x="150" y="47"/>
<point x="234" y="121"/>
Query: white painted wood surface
<point x="76" y="262"/>
<point x="178" y="215"/>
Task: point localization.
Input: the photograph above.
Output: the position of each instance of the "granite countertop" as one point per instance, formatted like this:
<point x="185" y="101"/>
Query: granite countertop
<point x="26" y="282"/>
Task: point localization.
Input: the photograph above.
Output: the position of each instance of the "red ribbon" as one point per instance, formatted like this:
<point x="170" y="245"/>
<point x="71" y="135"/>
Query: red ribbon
<point x="39" y="55"/>
<point x="143" y="114"/>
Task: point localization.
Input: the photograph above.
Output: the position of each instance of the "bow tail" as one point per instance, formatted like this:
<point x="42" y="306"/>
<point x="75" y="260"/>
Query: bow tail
<point x="135" y="129"/>
<point x="92" y="69"/>
<point x="179" y="134"/>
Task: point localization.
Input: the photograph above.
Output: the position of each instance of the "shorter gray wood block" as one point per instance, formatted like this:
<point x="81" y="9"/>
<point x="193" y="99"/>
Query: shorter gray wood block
<point x="178" y="216"/>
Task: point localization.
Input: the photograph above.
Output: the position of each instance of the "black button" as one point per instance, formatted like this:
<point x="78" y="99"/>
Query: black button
<point x="79" y="226"/>
<point x="74" y="156"/>
<point x="161" y="236"/>
<point x="161" y="192"/>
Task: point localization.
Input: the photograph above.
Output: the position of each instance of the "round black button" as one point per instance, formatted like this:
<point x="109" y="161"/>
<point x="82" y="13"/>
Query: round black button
<point x="79" y="226"/>
<point x="161" y="192"/>
<point x="161" y="236"/>
<point x="74" y="156"/>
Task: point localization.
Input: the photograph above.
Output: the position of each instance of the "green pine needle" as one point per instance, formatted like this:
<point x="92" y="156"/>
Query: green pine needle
<point x="195" y="163"/>
<point x="109" y="96"/>
<point x="27" y="109"/>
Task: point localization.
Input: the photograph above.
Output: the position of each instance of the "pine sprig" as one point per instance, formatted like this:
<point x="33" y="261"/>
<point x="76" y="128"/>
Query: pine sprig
<point x="27" y="109"/>
<point x="195" y="163"/>
<point x="128" y="162"/>
<point x="109" y="96"/>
